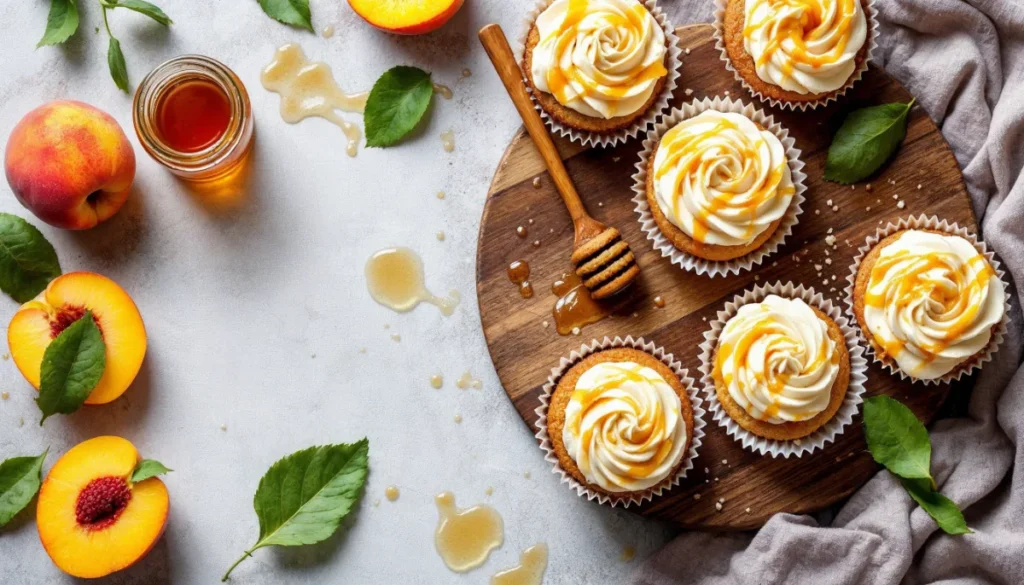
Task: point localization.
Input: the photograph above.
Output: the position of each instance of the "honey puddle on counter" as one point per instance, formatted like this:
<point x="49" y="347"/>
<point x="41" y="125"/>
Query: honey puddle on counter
<point x="395" y="279"/>
<point x="464" y="538"/>
<point x="530" y="571"/>
<point x="574" y="308"/>
<point x="308" y="89"/>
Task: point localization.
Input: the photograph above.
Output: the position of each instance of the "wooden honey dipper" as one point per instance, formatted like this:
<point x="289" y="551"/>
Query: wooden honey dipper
<point x="602" y="259"/>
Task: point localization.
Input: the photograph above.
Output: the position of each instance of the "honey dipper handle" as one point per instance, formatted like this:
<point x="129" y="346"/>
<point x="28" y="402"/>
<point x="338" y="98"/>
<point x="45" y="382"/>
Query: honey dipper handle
<point x="496" y="45"/>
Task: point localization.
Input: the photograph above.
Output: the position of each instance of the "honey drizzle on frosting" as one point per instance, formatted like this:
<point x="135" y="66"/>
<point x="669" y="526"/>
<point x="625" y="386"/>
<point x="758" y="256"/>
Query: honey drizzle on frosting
<point x="636" y="444"/>
<point x="783" y="355"/>
<point x="916" y="279"/>
<point x="786" y="28"/>
<point x="563" y="77"/>
<point x="690" y="156"/>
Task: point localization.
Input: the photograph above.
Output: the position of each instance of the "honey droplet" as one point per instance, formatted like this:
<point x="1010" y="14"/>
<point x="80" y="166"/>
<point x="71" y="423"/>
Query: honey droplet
<point x="437" y="381"/>
<point x="448" y="140"/>
<point x="465" y="538"/>
<point x="395" y="279"/>
<point x="440" y="194"/>
<point x="519" y="274"/>
<point x="440" y="236"/>
<point x="466" y="380"/>
<point x="391" y="493"/>
<point x="328" y="31"/>
<point x="443" y="91"/>
<point x="659" y="302"/>
<point x="466" y="72"/>
<point x="536" y="182"/>
<point x="458" y="418"/>
<point x="521" y="232"/>
<point x="628" y="554"/>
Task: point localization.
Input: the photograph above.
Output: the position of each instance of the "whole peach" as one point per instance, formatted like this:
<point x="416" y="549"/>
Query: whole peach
<point x="70" y="164"/>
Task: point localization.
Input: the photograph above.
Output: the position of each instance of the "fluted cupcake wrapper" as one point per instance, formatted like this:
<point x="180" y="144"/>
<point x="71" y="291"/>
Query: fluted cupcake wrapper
<point x="719" y="24"/>
<point x="854" y="391"/>
<point x="929" y="222"/>
<point x="669" y="360"/>
<point x="673" y="62"/>
<point x="650" y="227"/>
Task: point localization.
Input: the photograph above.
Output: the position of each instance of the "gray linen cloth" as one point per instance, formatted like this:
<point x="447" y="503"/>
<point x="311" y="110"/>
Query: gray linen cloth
<point x="964" y="60"/>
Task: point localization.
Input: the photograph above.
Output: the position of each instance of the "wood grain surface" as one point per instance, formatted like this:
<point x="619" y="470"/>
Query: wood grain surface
<point x="524" y="350"/>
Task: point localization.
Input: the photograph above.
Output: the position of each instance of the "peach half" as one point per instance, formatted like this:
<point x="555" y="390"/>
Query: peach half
<point x="406" y="17"/>
<point x="64" y="301"/>
<point x="92" y="519"/>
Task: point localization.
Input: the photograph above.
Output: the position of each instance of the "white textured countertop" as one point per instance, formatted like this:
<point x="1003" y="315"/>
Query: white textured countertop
<point x="237" y="302"/>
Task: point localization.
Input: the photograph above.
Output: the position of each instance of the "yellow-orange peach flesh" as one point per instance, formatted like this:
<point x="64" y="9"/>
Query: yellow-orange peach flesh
<point x="65" y="300"/>
<point x="92" y="520"/>
<point x="406" y="17"/>
<point x="70" y="164"/>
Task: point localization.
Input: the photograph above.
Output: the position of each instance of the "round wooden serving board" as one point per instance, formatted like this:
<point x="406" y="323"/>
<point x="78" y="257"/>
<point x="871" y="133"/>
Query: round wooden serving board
<point x="524" y="351"/>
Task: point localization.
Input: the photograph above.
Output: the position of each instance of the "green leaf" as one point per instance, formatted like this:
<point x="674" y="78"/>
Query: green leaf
<point x="303" y="497"/>
<point x="27" y="261"/>
<point x="118" y="68"/>
<point x="293" y="12"/>
<point x="396" y="103"/>
<point x="942" y="509"/>
<point x="867" y="138"/>
<point x="896" y="438"/>
<point x="19" y="482"/>
<point x="61" y="23"/>
<point x="148" y="468"/>
<point x="72" y="366"/>
<point x="151" y="10"/>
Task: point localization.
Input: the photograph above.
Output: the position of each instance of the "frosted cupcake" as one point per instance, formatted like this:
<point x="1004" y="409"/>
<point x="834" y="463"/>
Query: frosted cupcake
<point x="621" y="423"/>
<point x="719" y="185"/>
<point x="929" y="302"/>
<point x="781" y="368"/>
<point x="597" y="65"/>
<point x="797" y="52"/>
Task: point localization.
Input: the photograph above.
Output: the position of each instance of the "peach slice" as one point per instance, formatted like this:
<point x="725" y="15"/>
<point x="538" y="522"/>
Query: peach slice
<point x="92" y="520"/>
<point x="406" y="17"/>
<point x="63" y="302"/>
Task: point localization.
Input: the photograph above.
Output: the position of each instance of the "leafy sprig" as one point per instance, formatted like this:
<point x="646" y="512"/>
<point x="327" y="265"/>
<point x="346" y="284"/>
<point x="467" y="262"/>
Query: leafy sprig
<point x="63" y="19"/>
<point x="396" y="104"/>
<point x="303" y="498"/>
<point x="20" y="478"/>
<point x="865" y="141"/>
<point x="72" y="366"/>
<point x="28" y="261"/>
<point x="291" y="12"/>
<point x="898" y="441"/>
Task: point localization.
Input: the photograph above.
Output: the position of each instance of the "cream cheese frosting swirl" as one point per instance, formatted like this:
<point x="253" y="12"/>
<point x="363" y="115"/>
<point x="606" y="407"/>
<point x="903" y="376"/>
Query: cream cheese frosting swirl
<point x="624" y="427"/>
<point x="721" y="179"/>
<point x="601" y="58"/>
<point x="804" y="46"/>
<point x="931" y="302"/>
<point x="777" y="360"/>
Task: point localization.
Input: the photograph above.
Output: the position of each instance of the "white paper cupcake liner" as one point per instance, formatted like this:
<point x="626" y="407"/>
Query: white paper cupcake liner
<point x="672" y="64"/>
<point x="650" y="227"/>
<point x="933" y="223"/>
<point x="872" y="15"/>
<point x="669" y="360"/>
<point x="854" y="391"/>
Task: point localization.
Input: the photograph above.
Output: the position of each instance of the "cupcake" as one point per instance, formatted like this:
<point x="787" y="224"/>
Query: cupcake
<point x="796" y="52"/>
<point x="621" y="424"/>
<point x="718" y="181"/>
<point x="599" y="66"/>
<point x="781" y="368"/>
<point x="929" y="302"/>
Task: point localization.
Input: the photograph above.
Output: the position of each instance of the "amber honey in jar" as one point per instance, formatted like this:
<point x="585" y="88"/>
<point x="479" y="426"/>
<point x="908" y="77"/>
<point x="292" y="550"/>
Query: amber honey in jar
<point x="192" y="115"/>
